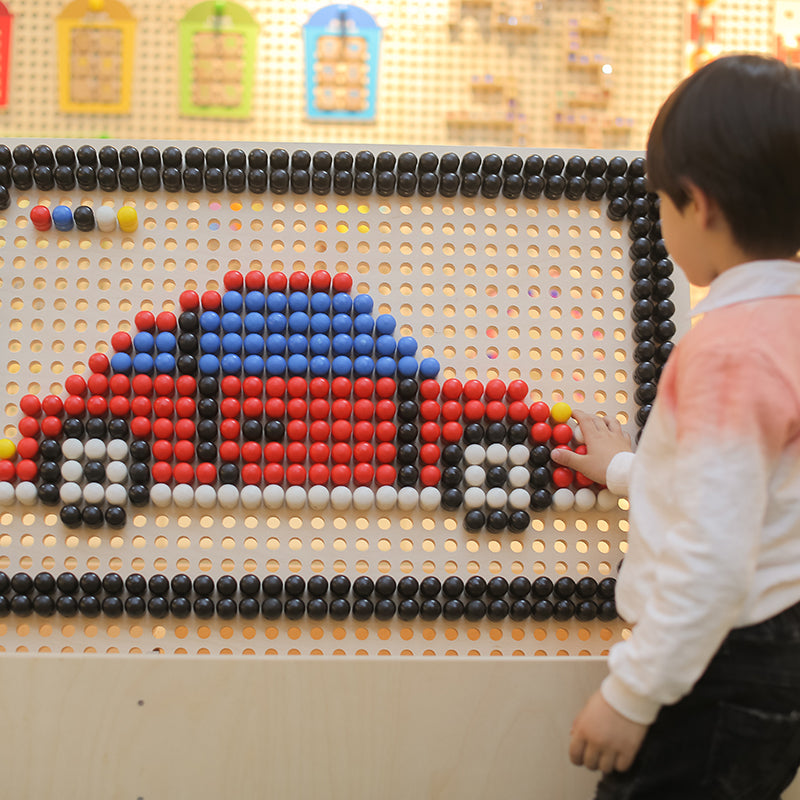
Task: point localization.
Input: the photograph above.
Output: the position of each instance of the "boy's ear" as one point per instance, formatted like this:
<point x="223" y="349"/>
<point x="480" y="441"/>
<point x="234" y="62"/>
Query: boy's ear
<point x="703" y="206"/>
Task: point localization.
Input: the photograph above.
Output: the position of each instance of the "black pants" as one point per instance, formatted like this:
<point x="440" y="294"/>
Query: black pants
<point x="736" y="736"/>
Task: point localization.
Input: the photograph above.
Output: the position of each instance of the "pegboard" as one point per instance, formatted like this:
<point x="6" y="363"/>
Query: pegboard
<point x="535" y="290"/>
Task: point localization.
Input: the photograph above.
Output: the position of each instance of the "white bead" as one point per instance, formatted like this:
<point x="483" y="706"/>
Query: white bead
<point x="518" y="455"/>
<point x="363" y="498"/>
<point x="496" y="454"/>
<point x="318" y="497"/>
<point x="386" y="497"/>
<point x="474" y="497"/>
<point x="95" y="449"/>
<point x="474" y="475"/>
<point x="161" y="495"/>
<point x="26" y="493"/>
<point x="106" y="219"/>
<point x="7" y="495"/>
<point x="474" y="454"/>
<point x="71" y="470"/>
<point x="117" y="449"/>
<point x="273" y="496"/>
<point x="563" y="499"/>
<point x="496" y="497"/>
<point x="251" y="496"/>
<point x="518" y="477"/>
<point x="72" y="448"/>
<point x="183" y="495"/>
<point x="606" y="500"/>
<point x="70" y="493"/>
<point x="228" y="495"/>
<point x="519" y="498"/>
<point x="585" y="499"/>
<point x="341" y="498"/>
<point x="430" y="498"/>
<point x="577" y="432"/>
<point x="94" y="493"/>
<point x="205" y="496"/>
<point x="295" y="497"/>
<point x="407" y="498"/>
<point x="116" y="471"/>
<point x="116" y="495"/>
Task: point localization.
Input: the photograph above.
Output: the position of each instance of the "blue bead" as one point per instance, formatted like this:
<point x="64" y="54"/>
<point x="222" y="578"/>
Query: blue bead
<point x="320" y="323"/>
<point x="62" y="218"/>
<point x="320" y="302"/>
<point x="232" y="301"/>
<point x="320" y="344"/>
<point x="341" y="303"/>
<point x="121" y="362"/>
<point x="208" y="364"/>
<point x="143" y="362"/>
<point x="253" y="365"/>
<point x="231" y="343"/>
<point x="276" y="365"/>
<point x="362" y="304"/>
<point x="407" y="366"/>
<point x="276" y="323"/>
<point x="363" y="323"/>
<point x="406" y="346"/>
<point x="297" y="343"/>
<point x="231" y="322"/>
<point x="298" y="301"/>
<point x="319" y="365"/>
<point x="385" y="345"/>
<point x="209" y="321"/>
<point x="342" y="323"/>
<point x="342" y="344"/>
<point x="385" y="323"/>
<point x="363" y="344"/>
<point x="165" y="342"/>
<point x="253" y="344"/>
<point x="165" y="363"/>
<point x="209" y="343"/>
<point x="255" y="301"/>
<point x="363" y="366"/>
<point x="276" y="344"/>
<point x="342" y="365"/>
<point x="385" y="367"/>
<point x="276" y="301"/>
<point x="143" y="342"/>
<point x="429" y="368"/>
<point x="254" y="323"/>
<point x="299" y="322"/>
<point x="297" y="364"/>
<point x="231" y="364"/>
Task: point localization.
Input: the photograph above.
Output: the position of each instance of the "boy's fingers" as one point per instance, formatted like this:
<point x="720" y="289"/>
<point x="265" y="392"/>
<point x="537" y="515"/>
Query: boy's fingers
<point x="567" y="458"/>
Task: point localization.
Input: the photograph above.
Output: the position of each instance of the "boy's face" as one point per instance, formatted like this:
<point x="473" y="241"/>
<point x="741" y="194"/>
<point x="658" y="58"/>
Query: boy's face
<point x="683" y="233"/>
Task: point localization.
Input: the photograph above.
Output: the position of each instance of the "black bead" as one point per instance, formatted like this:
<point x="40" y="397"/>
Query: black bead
<point x="257" y="180"/>
<point x="470" y="184"/>
<point x="617" y="209"/>
<point x="317" y="586"/>
<point x="408" y="609"/>
<point x="274" y="430"/>
<point x="64" y="178"/>
<point x="385" y="182"/>
<point x="294" y="608"/>
<point x="272" y="585"/>
<point x="84" y="218"/>
<point x="430" y="587"/>
<point x="343" y="160"/>
<point x="340" y="585"/>
<point x="575" y="188"/>
<point x="21" y="582"/>
<point x="520" y="610"/>
<point x="451" y="476"/>
<point x="67" y="583"/>
<point x="90" y="583"/>
<point x="534" y="186"/>
<point x="533" y="165"/>
<point x="453" y="610"/>
<point x="192" y="178"/>
<point x="607" y="611"/>
<point x="227" y="608"/>
<point x="365" y="161"/>
<point x="43" y="605"/>
<point x="249" y="585"/>
<point x="385" y="586"/>
<point x="364" y="182"/>
<point x="66" y="606"/>
<point x="206" y="451"/>
<point x="542" y="587"/>
<point x="408" y="475"/>
<point x="449" y="183"/>
<point x="158" y="584"/>
<point x="294" y="585"/>
<point x="44" y="583"/>
<point x="430" y="609"/>
<point x="204" y="607"/>
<point x="23" y="154"/>
<point x="363" y="609"/>
<point x="94" y="471"/>
<point x="564" y="587"/>
<point x="181" y="584"/>
<point x="5" y="198"/>
<point x="50" y="472"/>
<point x="92" y="516"/>
<point x="135" y="584"/>
<point x="452" y="454"/>
<point x="317" y="608"/>
<point x="138" y="494"/>
<point x="89" y="606"/>
<point x="513" y="186"/>
<point x="407" y="411"/>
<point x="385" y="609"/>
<point x="272" y="608"/>
<point x="497" y="520"/>
<point x="406" y="162"/>
<point x="407" y="586"/>
<point x="158" y="607"/>
<point x="563" y="610"/>
<point x="475" y="610"/>
<point x="475" y="586"/>
<point x="519" y="521"/>
<point x="129" y="179"/>
<point x="5" y="155"/>
<point x="229" y="473"/>
<point x="343" y="182"/>
<point x="449" y="162"/>
<point x="542" y="610"/>
<point x="22" y="177"/>
<point x="118" y="428"/>
<point x="496" y="476"/>
<point x="586" y="611"/>
<point x="473" y="433"/>
<point x="452" y="499"/>
<point x="497" y="587"/>
<point x="553" y="166"/>
<point x="497" y="610"/>
<point x="555" y="187"/>
<point x="44" y="179"/>
<point x="474" y="520"/>
<point x="470" y="162"/>
<point x="112" y="583"/>
<point x="495" y="433"/>
<point x="112" y="606"/>
<point x="406" y="184"/>
<point x="139" y="472"/>
<point x="540" y="477"/>
<point x="491" y="185"/>
<point x="207" y="430"/>
<point x="180" y="607"/>
<point x="203" y="585"/>
<point x="21" y="605"/>
<point x="453" y="586"/>
<point x="519" y="587"/>
<point x="214" y="179"/>
<point x="249" y="608"/>
<point x="96" y="428"/>
<point x="42" y="154"/>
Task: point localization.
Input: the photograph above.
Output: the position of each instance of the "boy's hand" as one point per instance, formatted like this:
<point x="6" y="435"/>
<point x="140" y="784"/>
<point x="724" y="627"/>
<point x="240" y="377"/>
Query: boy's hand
<point x="603" y="739"/>
<point x="604" y="438"/>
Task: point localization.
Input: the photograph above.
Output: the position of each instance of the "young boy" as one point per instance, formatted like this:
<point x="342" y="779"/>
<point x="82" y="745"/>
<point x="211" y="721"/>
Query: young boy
<point x="703" y="698"/>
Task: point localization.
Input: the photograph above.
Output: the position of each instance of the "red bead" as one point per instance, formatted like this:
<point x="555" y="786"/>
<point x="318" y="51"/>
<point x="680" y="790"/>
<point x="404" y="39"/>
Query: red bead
<point x="145" y="321"/>
<point x="97" y="383"/>
<point x="341" y="409"/>
<point x="98" y="362"/>
<point x="341" y="430"/>
<point x="41" y="219"/>
<point x="273" y="452"/>
<point x="320" y="280"/>
<point x="184" y="450"/>
<point x="319" y="387"/>
<point x="229" y="451"/>
<point x="119" y="384"/>
<point x="318" y="408"/>
<point x="163" y="428"/>
<point x="452" y="389"/>
<point x="211" y="301"/>
<point x="31" y="405"/>
<point x="183" y="472"/>
<point x="385" y="475"/>
<point x="255" y="281"/>
<point x="341" y="387"/>
<point x="342" y="282"/>
<point x="231" y="386"/>
<point x="7" y="471"/>
<point x="28" y="426"/>
<point x="473" y="410"/>
<point x="296" y="430"/>
<point x="429" y="410"/>
<point x="363" y="388"/>
<point x="384" y="410"/>
<point x="541" y="432"/>
<point x="251" y="451"/>
<point x="562" y="433"/>
<point x="363" y="409"/>
<point x="75" y="384"/>
<point x="452" y="431"/>
<point x="273" y="473"/>
<point x="96" y="405"/>
<point x="296" y="408"/>
<point x="121" y="342"/>
<point x="251" y="474"/>
<point x="233" y="280"/>
<point x="363" y="431"/>
<point x="185" y="407"/>
<point x="495" y="389"/>
<point x="142" y="384"/>
<point x="119" y="406"/>
<point x="161" y="472"/>
<point x="363" y="451"/>
<point x="318" y="452"/>
<point x="189" y="300"/>
<point x="163" y="407"/>
<point x="184" y="429"/>
<point x="74" y="405"/>
<point x="275" y="386"/>
<point x="340" y="474"/>
<point x="429" y="389"/>
<point x="430" y="475"/>
<point x="162" y="451"/>
<point x="385" y="452"/>
<point x="277" y="282"/>
<point x="295" y="473"/>
<point x="385" y="431"/>
<point x="141" y="406"/>
<point x="186" y="385"/>
<point x="298" y="281"/>
<point x="52" y="405"/>
<point x="274" y="408"/>
<point x="517" y="390"/>
<point x="252" y="386"/>
<point x="429" y="453"/>
<point x="582" y="482"/>
<point x="539" y="411"/>
<point x="27" y="470"/>
<point x="230" y="407"/>
<point x="252" y="407"/>
<point x="140" y="427"/>
<point x="363" y="473"/>
<point x="296" y="452"/>
<point x="166" y="321"/>
<point x="473" y="390"/>
<point x="385" y="387"/>
<point x="318" y="474"/>
<point x="495" y="410"/>
<point x="341" y="453"/>
<point x="27" y="447"/>
<point x="430" y="432"/>
<point x="163" y="385"/>
<point x="517" y="411"/>
<point x="206" y="472"/>
<point x="562" y="477"/>
<point x="451" y="410"/>
<point x="319" y="430"/>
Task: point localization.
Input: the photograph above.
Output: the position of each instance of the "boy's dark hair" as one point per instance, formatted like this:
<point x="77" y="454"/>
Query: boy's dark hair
<point x="733" y="130"/>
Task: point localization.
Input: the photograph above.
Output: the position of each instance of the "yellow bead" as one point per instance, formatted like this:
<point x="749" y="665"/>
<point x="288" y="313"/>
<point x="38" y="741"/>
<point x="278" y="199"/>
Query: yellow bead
<point x="128" y="219"/>
<point x="7" y="449"/>
<point x="560" y="412"/>
<point x="96" y="5"/>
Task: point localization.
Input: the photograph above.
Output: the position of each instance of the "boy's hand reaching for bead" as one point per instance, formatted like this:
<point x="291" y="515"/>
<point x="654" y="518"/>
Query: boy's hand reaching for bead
<point x="604" y="438"/>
